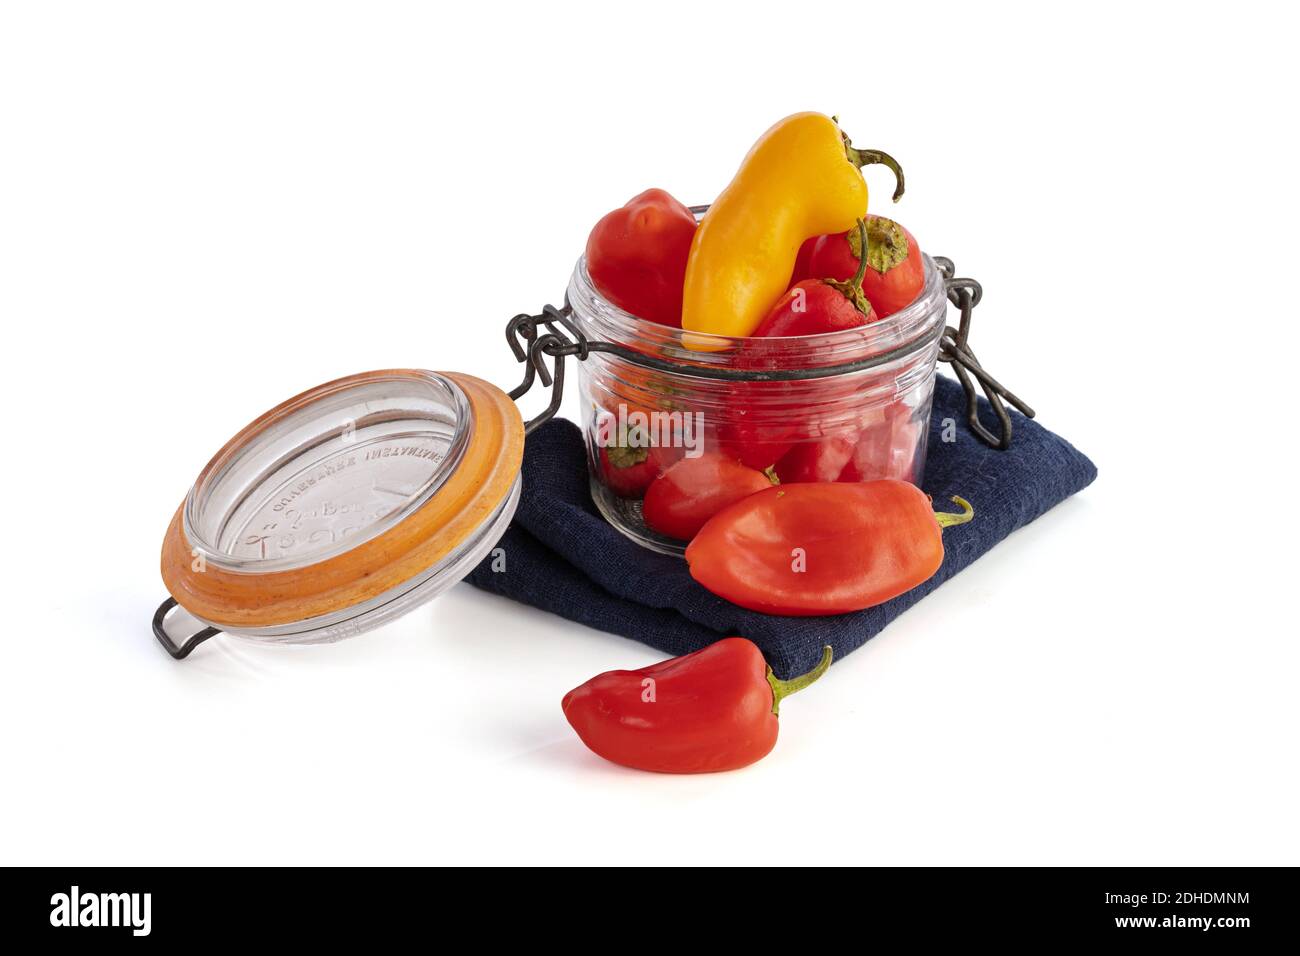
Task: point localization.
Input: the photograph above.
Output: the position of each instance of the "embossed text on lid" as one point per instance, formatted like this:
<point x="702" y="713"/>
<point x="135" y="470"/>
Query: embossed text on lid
<point x="309" y="481"/>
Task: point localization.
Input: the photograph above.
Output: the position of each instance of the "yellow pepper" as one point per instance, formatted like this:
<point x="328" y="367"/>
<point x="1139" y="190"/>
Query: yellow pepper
<point x="800" y="180"/>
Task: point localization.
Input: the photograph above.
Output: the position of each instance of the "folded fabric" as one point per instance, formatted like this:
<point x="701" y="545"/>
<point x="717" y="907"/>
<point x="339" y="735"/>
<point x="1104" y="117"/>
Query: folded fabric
<point x="562" y="556"/>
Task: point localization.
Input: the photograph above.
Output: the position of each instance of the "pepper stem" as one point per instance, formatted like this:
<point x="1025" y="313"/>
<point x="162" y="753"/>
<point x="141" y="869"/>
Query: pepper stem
<point x="870" y="157"/>
<point x="784" y="688"/>
<point x="852" y="290"/>
<point x="947" y="519"/>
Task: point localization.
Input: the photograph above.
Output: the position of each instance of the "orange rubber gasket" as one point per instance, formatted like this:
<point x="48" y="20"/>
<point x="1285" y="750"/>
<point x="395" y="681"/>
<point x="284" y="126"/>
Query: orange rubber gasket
<point x="481" y="481"/>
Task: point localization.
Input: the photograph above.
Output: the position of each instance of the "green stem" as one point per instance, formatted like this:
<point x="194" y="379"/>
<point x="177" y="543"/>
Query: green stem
<point x="862" y="262"/>
<point x="870" y="157"/>
<point x="947" y="519"/>
<point x="784" y="688"/>
<point x="852" y="290"/>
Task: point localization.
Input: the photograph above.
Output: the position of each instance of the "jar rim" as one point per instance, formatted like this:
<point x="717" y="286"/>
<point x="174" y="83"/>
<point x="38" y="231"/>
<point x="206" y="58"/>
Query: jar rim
<point x="914" y="325"/>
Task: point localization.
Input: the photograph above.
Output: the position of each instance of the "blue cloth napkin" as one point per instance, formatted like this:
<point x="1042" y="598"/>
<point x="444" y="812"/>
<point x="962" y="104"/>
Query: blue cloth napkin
<point x="562" y="556"/>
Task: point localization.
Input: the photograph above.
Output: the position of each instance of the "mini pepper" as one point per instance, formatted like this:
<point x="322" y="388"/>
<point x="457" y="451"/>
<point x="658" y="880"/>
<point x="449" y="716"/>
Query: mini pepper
<point x="812" y="549"/>
<point x="817" y="306"/>
<point x="715" y="709"/>
<point x="896" y="275"/>
<point x="801" y="179"/>
<point x="636" y="256"/>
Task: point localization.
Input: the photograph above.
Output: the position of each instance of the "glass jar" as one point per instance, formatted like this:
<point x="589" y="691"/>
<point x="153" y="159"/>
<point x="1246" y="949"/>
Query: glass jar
<point x="850" y="426"/>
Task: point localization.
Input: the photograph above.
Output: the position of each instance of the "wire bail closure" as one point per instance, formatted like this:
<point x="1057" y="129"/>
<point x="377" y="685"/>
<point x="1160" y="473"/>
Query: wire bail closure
<point x="553" y="334"/>
<point x="532" y="349"/>
<point x="184" y="648"/>
<point x="954" y="349"/>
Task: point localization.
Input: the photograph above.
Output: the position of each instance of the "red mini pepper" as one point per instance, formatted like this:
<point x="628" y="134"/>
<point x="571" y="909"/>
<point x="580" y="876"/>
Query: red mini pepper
<point x="680" y="500"/>
<point x="628" y="468"/>
<point x="636" y="256"/>
<point x="627" y="471"/>
<point x="757" y="444"/>
<point x="886" y="446"/>
<point x="816" y="306"/>
<point x="812" y="549"/>
<point x="811" y="307"/>
<point x="896" y="274"/>
<point x="821" y="459"/>
<point x="715" y="709"/>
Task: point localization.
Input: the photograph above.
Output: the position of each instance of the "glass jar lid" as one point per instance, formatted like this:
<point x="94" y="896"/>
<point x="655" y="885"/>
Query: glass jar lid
<point x="346" y="505"/>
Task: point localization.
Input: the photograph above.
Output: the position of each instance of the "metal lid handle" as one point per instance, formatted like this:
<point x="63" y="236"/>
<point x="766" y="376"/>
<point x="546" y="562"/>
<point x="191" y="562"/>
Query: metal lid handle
<point x="182" y="650"/>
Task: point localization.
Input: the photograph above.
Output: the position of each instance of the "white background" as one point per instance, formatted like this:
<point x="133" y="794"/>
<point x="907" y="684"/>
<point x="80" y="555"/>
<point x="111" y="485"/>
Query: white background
<point x="207" y="208"/>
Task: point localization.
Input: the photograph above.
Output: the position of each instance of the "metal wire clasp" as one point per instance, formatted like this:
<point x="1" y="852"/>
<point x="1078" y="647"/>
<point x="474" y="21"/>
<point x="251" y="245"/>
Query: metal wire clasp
<point x="182" y="650"/>
<point x="532" y="349"/>
<point x="954" y="348"/>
